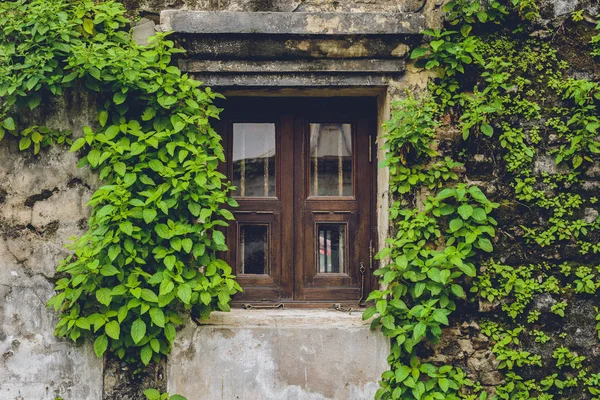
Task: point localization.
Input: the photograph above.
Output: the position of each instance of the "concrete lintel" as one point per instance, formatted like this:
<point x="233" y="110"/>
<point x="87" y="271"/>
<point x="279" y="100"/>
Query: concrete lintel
<point x="349" y="66"/>
<point x="294" y="79"/>
<point x="291" y="23"/>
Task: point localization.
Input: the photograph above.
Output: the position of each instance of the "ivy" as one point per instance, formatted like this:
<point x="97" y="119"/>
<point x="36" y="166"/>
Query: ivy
<point x="149" y="256"/>
<point x="500" y="88"/>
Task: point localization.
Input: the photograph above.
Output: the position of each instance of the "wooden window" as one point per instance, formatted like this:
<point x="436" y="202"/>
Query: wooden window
<point x="304" y="175"/>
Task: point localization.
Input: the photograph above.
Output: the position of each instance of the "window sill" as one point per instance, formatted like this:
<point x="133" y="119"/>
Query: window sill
<point x="313" y="318"/>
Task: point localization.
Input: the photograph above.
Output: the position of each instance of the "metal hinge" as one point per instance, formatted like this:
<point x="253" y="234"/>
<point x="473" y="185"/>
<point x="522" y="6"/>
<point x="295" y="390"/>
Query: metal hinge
<point x="338" y="307"/>
<point x="261" y="306"/>
<point x="370" y="148"/>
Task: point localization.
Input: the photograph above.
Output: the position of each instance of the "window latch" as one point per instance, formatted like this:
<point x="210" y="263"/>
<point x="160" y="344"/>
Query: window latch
<point x="362" y="270"/>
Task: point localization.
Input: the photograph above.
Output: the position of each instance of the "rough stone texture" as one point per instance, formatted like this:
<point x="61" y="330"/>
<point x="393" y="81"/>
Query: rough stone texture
<point x="123" y="382"/>
<point x="296" y="47"/>
<point x="155" y="6"/>
<point x="280" y="23"/>
<point x="42" y="204"/>
<point x="272" y="355"/>
<point x="142" y="30"/>
<point x="557" y="8"/>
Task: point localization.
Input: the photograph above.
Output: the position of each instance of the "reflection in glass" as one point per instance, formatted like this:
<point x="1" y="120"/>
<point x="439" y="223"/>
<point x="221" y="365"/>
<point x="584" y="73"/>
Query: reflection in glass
<point x="332" y="248"/>
<point x="254" y="249"/>
<point x="254" y="159"/>
<point x="331" y="159"/>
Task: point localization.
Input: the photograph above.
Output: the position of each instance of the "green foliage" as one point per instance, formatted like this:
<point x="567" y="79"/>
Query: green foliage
<point x="150" y="254"/>
<point x="501" y="88"/>
<point x="429" y="257"/>
<point x="153" y="394"/>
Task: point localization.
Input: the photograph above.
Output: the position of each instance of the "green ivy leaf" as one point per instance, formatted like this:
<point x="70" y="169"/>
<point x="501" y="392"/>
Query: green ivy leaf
<point x="24" y="143"/>
<point x="138" y="330"/>
<point x="149" y="296"/>
<point x="100" y="345"/>
<point x="465" y="30"/>
<point x="185" y="293"/>
<point x="418" y="52"/>
<point x="487" y="130"/>
<point x="163" y="231"/>
<point x="465" y="211"/>
<point x="104" y="296"/>
<point x="9" y="124"/>
<point x="109" y="270"/>
<point x="149" y="214"/>
<point x="113" y="329"/>
<point x="195" y="209"/>
<point x="206" y="298"/>
<point x="218" y="237"/>
<point x="456" y="224"/>
<point x="146" y="354"/>
<point x="152" y="394"/>
<point x="103" y="118"/>
<point x="170" y="262"/>
<point x="157" y="316"/>
<point x="444" y="384"/>
<point x="381" y="306"/>
<point x="93" y="157"/>
<point x="88" y="26"/>
<point x="402" y="373"/>
<point x="119" y="98"/>
<point x="167" y="101"/>
<point x="368" y="313"/>
<point x="170" y="332"/>
<point x="485" y="245"/>
<point x="419" y="331"/>
<point x="458" y="291"/>
<point x="120" y="168"/>
<point x="479" y="214"/>
<point x="113" y="252"/>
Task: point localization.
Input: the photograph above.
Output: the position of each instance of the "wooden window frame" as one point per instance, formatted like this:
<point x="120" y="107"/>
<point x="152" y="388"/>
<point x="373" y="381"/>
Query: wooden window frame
<point x="293" y="215"/>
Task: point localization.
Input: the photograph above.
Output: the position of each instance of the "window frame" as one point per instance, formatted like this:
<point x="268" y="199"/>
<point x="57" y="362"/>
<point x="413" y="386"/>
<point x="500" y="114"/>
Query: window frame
<point x="295" y="280"/>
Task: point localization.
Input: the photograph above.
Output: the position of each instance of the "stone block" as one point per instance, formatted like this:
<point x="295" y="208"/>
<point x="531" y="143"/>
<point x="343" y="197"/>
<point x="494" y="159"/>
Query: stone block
<point x="291" y="23"/>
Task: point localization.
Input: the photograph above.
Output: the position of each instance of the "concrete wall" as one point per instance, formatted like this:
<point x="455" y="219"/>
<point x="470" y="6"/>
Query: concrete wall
<point x="278" y="354"/>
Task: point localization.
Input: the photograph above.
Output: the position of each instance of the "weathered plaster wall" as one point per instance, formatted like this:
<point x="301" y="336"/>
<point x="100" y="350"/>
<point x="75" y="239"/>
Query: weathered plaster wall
<point x="42" y="204"/>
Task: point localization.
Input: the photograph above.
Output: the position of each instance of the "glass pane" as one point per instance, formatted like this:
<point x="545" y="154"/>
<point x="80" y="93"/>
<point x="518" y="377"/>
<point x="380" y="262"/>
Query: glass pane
<point x="254" y="249"/>
<point x="330" y="159"/>
<point x="332" y="248"/>
<point x="254" y="159"/>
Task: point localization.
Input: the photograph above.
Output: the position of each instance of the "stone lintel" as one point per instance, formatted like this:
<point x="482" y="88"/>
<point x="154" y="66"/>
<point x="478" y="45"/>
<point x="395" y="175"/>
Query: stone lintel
<point x="291" y="23"/>
<point x="294" y="79"/>
<point x="338" y="66"/>
<point x="270" y="47"/>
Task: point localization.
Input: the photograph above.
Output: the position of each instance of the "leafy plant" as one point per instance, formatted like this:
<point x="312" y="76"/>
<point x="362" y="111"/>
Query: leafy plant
<point x="150" y="254"/>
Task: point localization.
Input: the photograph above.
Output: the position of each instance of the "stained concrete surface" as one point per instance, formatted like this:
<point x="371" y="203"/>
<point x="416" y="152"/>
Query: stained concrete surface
<point x="281" y="354"/>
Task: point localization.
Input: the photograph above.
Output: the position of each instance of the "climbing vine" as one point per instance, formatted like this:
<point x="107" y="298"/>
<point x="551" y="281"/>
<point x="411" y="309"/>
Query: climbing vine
<point x="507" y="92"/>
<point x="149" y="256"/>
